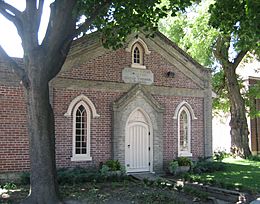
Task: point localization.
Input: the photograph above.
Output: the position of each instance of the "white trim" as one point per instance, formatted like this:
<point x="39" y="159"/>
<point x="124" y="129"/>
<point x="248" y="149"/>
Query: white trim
<point x="138" y="40"/>
<point x="79" y="98"/>
<point x="184" y="103"/>
<point x="185" y="153"/>
<point x="81" y="157"/>
<point x="150" y="129"/>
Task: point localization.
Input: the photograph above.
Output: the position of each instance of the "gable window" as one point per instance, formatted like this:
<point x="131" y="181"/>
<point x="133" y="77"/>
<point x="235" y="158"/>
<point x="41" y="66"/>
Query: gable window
<point x="137" y="56"/>
<point x="82" y="110"/>
<point x="184" y="115"/>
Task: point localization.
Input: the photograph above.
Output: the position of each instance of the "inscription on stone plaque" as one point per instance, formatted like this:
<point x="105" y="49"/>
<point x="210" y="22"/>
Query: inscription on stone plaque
<point x="133" y="75"/>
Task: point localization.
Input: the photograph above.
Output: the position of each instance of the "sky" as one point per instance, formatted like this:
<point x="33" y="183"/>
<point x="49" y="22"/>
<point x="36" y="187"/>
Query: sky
<point x="9" y="39"/>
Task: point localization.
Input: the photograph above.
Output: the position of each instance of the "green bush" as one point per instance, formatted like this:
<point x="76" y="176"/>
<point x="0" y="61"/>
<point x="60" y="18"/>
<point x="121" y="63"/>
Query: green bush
<point x="184" y="161"/>
<point x="208" y="167"/>
<point x="9" y="186"/>
<point x="254" y="158"/>
<point x="173" y="166"/>
<point x="25" y="178"/>
<point x="219" y="155"/>
<point x="113" y="165"/>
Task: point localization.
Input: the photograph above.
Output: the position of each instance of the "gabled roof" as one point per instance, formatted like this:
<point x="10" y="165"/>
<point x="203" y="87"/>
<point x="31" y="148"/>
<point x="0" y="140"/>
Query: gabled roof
<point x="90" y="46"/>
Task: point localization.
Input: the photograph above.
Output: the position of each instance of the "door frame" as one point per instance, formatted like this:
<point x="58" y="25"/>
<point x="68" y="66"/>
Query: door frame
<point x="150" y="129"/>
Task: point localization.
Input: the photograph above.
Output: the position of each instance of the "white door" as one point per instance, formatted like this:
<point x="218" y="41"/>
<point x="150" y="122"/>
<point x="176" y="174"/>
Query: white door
<point x="137" y="144"/>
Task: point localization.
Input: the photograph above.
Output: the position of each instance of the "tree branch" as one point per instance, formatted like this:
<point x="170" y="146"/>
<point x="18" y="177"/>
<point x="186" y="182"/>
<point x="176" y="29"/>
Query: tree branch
<point x="14" y="15"/>
<point x="221" y="50"/>
<point x="239" y="58"/>
<point x="14" y="67"/>
<point x="10" y="8"/>
<point x="88" y="22"/>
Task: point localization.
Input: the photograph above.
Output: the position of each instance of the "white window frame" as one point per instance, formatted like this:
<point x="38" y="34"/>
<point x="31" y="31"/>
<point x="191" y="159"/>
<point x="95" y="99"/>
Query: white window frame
<point x="141" y="55"/>
<point x="191" y="116"/>
<point x="91" y="112"/>
<point x="188" y="152"/>
<point x="81" y="157"/>
<point x="144" y="49"/>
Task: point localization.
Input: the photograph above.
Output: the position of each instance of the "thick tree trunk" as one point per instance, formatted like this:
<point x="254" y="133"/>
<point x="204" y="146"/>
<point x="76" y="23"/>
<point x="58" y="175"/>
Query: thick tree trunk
<point x="238" y="123"/>
<point x="44" y="188"/>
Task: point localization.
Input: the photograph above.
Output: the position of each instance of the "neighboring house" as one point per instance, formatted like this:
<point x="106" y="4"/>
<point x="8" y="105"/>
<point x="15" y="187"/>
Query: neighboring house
<point x="144" y="105"/>
<point x="255" y="122"/>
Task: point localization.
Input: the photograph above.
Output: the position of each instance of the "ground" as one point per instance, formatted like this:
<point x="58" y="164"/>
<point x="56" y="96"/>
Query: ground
<point x="112" y="192"/>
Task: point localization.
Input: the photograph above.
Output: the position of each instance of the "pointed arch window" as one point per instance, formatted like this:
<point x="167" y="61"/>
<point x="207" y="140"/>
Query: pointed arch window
<point x="81" y="132"/>
<point x="184" y="115"/>
<point x="83" y="110"/>
<point x="184" y="131"/>
<point x="137" y="56"/>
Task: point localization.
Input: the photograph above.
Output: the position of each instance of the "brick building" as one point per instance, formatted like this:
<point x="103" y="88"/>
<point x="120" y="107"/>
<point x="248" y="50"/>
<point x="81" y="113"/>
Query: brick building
<point x="255" y="122"/>
<point x="143" y="104"/>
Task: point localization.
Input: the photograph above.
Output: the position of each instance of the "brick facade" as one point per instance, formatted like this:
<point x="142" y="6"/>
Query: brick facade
<point x="100" y="79"/>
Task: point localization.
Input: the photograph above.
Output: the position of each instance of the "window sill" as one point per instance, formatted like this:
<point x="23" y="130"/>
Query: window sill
<point x="184" y="154"/>
<point x="81" y="158"/>
<point x="139" y="66"/>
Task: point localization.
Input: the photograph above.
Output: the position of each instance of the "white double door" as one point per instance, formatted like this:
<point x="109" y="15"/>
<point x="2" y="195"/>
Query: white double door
<point x="137" y="147"/>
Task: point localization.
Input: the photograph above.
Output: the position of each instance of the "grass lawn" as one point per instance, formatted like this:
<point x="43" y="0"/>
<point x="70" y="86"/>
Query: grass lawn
<point x="239" y="174"/>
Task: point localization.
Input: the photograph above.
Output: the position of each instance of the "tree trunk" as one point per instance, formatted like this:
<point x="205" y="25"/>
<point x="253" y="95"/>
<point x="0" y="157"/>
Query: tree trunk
<point x="238" y="123"/>
<point x="44" y="187"/>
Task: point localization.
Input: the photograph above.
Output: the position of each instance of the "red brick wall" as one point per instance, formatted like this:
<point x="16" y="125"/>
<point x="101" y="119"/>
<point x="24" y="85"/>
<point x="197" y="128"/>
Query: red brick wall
<point x="13" y="130"/>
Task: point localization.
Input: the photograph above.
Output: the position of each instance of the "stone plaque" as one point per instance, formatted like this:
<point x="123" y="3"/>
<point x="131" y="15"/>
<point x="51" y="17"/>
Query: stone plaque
<point x="134" y="75"/>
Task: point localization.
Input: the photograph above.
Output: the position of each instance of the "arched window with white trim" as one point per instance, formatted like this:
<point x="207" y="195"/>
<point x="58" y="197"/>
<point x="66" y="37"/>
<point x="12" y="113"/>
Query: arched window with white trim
<point x="82" y="110"/>
<point x="184" y="115"/>
<point x="81" y="132"/>
<point x="184" y="132"/>
<point x="137" y="56"/>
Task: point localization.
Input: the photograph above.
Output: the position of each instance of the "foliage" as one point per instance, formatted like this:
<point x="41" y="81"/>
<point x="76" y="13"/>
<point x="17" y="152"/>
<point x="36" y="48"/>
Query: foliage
<point x="208" y="167"/>
<point x="254" y="158"/>
<point x="195" y="192"/>
<point x="184" y="161"/>
<point x="219" y="155"/>
<point x="9" y="186"/>
<point x="113" y="165"/>
<point x="25" y="178"/>
<point x="173" y="166"/>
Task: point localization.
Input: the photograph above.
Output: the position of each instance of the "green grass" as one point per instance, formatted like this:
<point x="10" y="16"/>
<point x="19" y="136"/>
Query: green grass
<point x="239" y="174"/>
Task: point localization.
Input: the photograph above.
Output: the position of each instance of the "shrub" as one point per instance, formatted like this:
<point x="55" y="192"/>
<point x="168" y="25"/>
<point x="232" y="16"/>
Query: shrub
<point x="173" y="166"/>
<point x="113" y="165"/>
<point x="219" y="155"/>
<point x="184" y="161"/>
<point x="208" y="167"/>
<point x="25" y="178"/>
<point x="254" y="158"/>
<point x="9" y="186"/>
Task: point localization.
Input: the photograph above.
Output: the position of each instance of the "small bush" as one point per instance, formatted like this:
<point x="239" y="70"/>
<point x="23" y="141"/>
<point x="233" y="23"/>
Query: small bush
<point x="219" y="155"/>
<point x="9" y="186"/>
<point x="113" y="165"/>
<point x="254" y="158"/>
<point x="208" y="167"/>
<point x="173" y="166"/>
<point x="184" y="161"/>
<point x="25" y="178"/>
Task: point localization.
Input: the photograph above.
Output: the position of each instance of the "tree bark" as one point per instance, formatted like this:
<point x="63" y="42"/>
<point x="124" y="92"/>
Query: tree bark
<point x="44" y="187"/>
<point x="238" y="123"/>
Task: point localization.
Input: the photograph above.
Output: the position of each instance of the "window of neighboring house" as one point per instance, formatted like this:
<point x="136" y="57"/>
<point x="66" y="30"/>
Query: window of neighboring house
<point x="184" y="132"/>
<point x="137" y="56"/>
<point x="81" y="132"/>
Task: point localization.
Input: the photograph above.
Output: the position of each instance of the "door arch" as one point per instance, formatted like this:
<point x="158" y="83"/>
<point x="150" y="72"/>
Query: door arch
<point x="138" y="142"/>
